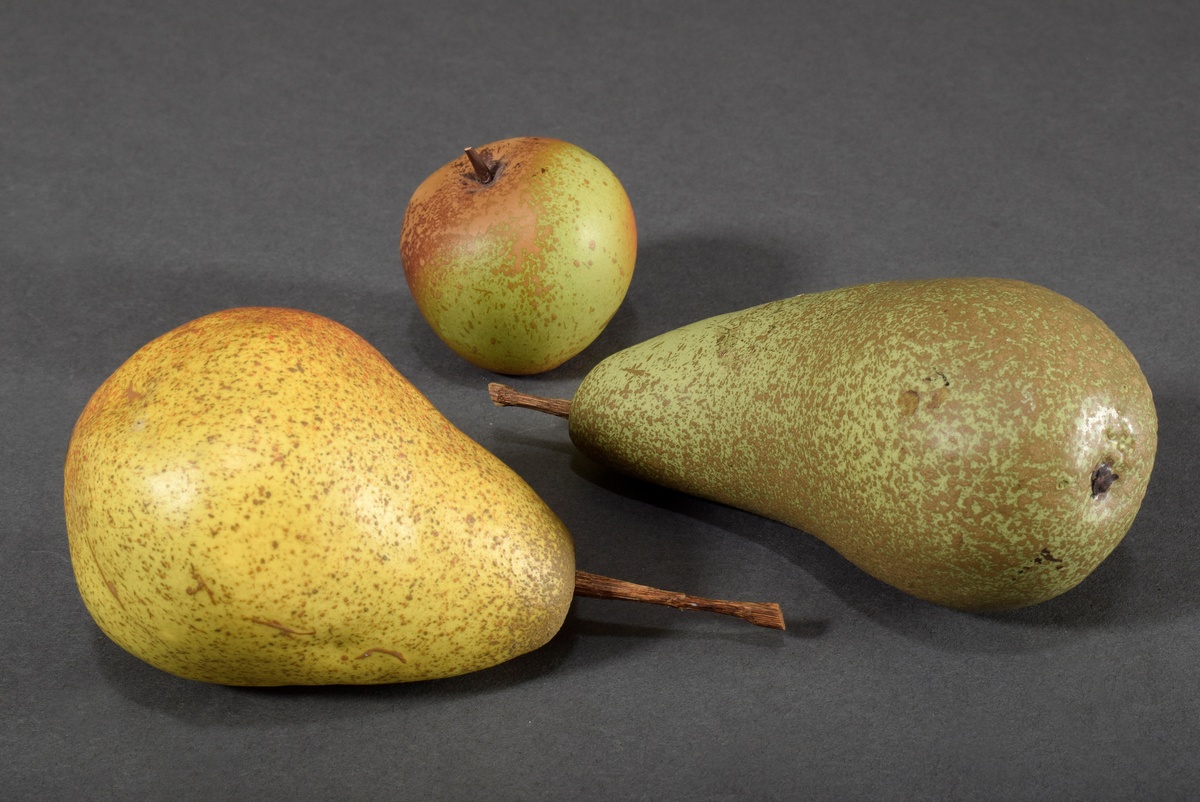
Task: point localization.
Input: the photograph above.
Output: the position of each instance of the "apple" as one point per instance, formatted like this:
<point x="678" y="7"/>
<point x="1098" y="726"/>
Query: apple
<point x="518" y="253"/>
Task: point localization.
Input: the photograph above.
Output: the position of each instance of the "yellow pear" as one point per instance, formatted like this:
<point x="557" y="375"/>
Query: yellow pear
<point x="259" y="498"/>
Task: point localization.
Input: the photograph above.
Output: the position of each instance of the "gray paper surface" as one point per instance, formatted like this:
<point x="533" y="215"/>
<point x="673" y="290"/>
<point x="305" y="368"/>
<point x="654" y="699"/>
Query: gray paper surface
<point x="159" y="161"/>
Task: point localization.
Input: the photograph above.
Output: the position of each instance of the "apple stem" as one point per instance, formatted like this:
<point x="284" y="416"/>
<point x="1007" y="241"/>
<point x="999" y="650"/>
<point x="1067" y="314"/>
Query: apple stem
<point x="483" y="172"/>
<point x="505" y="396"/>
<point x="761" y="614"/>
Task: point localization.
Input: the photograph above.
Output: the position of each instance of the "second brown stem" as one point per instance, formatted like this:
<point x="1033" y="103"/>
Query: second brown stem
<point x="505" y="396"/>
<point x="763" y="614"/>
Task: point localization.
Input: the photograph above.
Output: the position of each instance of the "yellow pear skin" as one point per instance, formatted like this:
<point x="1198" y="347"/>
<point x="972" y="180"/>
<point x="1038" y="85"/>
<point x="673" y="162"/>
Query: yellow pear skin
<point x="259" y="498"/>
<point x="980" y="443"/>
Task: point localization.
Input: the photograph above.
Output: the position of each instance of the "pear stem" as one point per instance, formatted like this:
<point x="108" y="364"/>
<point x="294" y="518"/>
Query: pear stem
<point x="761" y="614"/>
<point x="505" y="396"/>
<point x="482" y="171"/>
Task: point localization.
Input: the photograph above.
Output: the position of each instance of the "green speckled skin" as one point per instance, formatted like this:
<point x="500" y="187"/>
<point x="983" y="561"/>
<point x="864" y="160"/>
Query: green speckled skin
<point x="519" y="275"/>
<point x="259" y="498"/>
<point x="941" y="434"/>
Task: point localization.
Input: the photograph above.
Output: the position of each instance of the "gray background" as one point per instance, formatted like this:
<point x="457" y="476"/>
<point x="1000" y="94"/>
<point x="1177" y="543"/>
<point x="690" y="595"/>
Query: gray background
<point x="161" y="160"/>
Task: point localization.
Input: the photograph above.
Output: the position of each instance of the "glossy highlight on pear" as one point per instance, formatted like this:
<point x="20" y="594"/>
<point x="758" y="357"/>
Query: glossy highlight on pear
<point x="980" y="443"/>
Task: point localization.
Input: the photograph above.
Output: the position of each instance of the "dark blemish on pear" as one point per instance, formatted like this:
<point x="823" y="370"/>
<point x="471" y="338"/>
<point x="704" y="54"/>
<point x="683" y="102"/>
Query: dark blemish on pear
<point x="940" y="375"/>
<point x="1102" y="479"/>
<point x="1049" y="557"/>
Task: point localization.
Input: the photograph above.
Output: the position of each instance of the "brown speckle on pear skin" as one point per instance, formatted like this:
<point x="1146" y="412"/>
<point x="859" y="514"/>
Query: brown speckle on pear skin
<point x="943" y="435"/>
<point x="200" y="585"/>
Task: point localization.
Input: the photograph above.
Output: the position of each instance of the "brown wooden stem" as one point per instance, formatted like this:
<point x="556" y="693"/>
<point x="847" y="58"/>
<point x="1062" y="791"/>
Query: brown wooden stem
<point x="483" y="171"/>
<point x="505" y="396"/>
<point x="761" y="614"/>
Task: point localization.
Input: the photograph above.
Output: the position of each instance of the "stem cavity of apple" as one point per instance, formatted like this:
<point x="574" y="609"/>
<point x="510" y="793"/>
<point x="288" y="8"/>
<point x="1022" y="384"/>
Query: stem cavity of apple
<point x="483" y="171"/>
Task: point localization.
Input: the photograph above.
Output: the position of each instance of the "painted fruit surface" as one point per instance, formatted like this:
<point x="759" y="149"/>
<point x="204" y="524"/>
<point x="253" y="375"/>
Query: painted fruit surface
<point x="979" y="443"/>
<point x="259" y="498"/>
<point x="521" y="273"/>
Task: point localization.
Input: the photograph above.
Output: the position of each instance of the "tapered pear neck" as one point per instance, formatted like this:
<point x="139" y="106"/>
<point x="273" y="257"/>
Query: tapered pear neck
<point x="504" y="396"/>
<point x="762" y="614"/>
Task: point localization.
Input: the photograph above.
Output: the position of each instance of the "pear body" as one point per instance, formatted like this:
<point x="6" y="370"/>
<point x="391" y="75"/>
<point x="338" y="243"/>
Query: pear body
<point x="979" y="443"/>
<point x="259" y="498"/>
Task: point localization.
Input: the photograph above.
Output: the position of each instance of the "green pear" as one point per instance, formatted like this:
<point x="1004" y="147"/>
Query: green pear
<point x="519" y="254"/>
<point x="979" y="443"/>
<point x="259" y="498"/>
